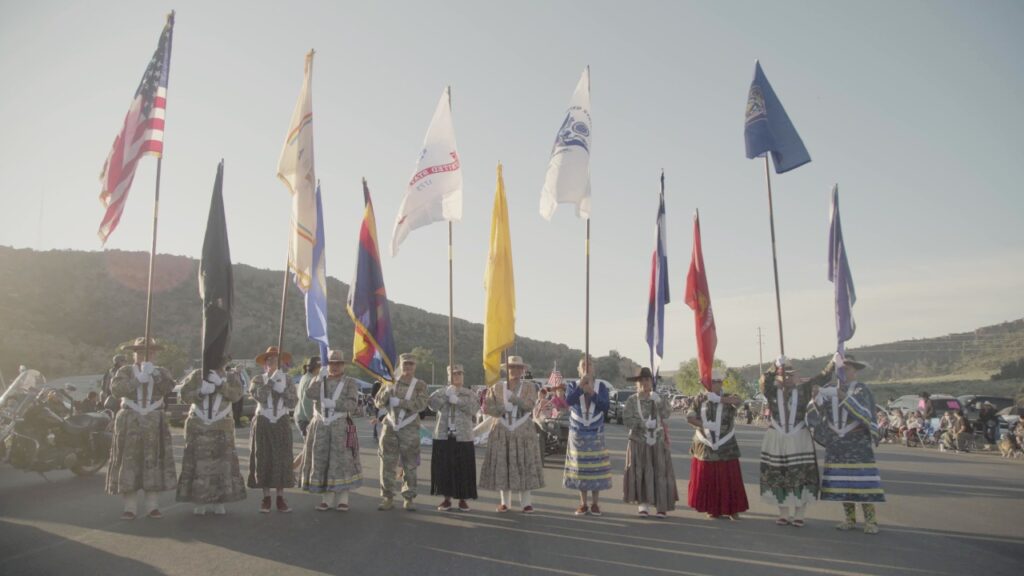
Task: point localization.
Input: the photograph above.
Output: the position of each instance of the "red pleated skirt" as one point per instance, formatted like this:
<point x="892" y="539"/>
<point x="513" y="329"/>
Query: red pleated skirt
<point x="717" y="487"/>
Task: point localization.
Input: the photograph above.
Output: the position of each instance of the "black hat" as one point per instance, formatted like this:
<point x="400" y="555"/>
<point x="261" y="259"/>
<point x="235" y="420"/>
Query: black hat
<point x="645" y="372"/>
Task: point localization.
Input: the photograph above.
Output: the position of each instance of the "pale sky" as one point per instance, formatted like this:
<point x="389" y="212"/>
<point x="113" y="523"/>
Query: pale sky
<point x="912" y="107"/>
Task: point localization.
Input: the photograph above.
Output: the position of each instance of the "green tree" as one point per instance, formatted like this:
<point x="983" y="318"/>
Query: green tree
<point x="687" y="379"/>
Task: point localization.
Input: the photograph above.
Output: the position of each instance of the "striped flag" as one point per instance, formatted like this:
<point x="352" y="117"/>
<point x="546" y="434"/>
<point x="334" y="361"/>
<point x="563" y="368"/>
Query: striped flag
<point x="141" y="134"/>
<point x="659" y="288"/>
<point x="373" y="346"/>
<point x="555" y="379"/>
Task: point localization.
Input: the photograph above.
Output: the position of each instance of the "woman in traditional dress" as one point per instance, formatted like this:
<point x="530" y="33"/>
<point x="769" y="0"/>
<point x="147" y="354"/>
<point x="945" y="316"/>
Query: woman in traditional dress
<point x="513" y="459"/>
<point x="648" y="479"/>
<point x="209" y="467"/>
<point x="141" y="454"/>
<point x="789" y="466"/>
<point x="716" y="481"/>
<point x="453" y="459"/>
<point x="587" y="465"/>
<point x="843" y="418"/>
<point x="270" y="456"/>
<point x="330" y="458"/>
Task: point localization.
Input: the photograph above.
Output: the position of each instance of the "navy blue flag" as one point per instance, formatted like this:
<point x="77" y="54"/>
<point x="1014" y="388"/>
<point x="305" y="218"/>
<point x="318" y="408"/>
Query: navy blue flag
<point x="839" y="275"/>
<point x="768" y="128"/>
<point x="316" y="296"/>
<point x="216" y="282"/>
<point x="659" y="288"/>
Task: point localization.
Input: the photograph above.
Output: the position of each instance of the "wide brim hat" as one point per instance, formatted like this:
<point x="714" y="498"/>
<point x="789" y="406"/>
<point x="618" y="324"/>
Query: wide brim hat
<point x="140" y="344"/>
<point x="285" y="357"/>
<point x="852" y="362"/>
<point x="515" y="361"/>
<point x="644" y="372"/>
<point x="335" y="357"/>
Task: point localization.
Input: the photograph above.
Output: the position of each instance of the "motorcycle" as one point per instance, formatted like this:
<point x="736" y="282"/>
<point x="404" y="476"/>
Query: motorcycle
<point x="554" y="434"/>
<point x="40" y="431"/>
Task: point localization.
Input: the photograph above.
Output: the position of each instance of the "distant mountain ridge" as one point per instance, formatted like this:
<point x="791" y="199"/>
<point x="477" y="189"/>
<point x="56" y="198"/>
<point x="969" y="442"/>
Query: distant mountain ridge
<point x="63" y="312"/>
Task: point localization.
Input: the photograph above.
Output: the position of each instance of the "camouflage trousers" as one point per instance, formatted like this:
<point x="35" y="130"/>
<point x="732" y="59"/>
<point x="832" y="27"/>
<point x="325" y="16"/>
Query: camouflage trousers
<point x="399" y="448"/>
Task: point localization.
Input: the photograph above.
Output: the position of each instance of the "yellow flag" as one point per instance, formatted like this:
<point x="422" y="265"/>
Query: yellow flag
<point x="500" y="322"/>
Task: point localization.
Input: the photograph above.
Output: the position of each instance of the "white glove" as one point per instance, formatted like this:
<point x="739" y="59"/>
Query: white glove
<point x="780" y="361"/>
<point x="509" y="407"/>
<point x="453" y="399"/>
<point x="207" y="388"/>
<point x="655" y="397"/>
<point x="652" y="424"/>
<point x="147" y="368"/>
<point x="329" y="403"/>
<point x="279" y="381"/>
<point x="214" y="378"/>
<point x="394" y="401"/>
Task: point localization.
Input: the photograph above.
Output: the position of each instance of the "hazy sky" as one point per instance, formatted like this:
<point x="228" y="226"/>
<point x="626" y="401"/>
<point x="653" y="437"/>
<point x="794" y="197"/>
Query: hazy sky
<point x="912" y="107"/>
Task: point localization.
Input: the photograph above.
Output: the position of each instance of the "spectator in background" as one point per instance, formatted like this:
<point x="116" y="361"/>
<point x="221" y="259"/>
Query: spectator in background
<point x="988" y="424"/>
<point x="883" y="425"/>
<point x="898" y="423"/>
<point x="91" y="403"/>
<point x="924" y="406"/>
<point x="915" y="424"/>
<point x="106" y="399"/>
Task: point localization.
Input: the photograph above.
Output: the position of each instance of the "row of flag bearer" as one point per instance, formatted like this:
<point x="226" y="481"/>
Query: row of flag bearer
<point x="141" y="458"/>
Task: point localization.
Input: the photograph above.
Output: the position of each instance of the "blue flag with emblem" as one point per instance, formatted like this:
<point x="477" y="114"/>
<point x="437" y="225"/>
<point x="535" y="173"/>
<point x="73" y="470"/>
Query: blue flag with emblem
<point x="768" y="128"/>
<point x="839" y="275"/>
<point x="316" y="296"/>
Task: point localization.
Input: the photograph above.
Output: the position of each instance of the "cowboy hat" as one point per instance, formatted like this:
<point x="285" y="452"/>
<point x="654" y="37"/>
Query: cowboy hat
<point x="335" y="357"/>
<point x="140" y="344"/>
<point x="286" y="357"/>
<point x="644" y="372"/>
<point x="515" y="361"/>
<point x="852" y="362"/>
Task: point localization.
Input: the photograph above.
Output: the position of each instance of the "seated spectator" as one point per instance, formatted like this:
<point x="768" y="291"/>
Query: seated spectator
<point x="953" y="438"/>
<point x="883" y="425"/>
<point x="91" y="403"/>
<point x="915" y="424"/>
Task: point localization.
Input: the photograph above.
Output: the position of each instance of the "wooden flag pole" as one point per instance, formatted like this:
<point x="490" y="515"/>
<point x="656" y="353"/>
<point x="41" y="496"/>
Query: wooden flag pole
<point x="152" y="257"/>
<point x="586" y="338"/>
<point x="775" y="260"/>
<point x="451" y="305"/>
<point x="284" y="300"/>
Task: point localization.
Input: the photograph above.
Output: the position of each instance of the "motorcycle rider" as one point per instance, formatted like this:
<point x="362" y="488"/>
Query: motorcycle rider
<point x="106" y="400"/>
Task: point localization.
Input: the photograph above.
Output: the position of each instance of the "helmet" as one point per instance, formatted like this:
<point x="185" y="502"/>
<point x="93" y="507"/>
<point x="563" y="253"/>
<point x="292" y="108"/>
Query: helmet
<point x="118" y="359"/>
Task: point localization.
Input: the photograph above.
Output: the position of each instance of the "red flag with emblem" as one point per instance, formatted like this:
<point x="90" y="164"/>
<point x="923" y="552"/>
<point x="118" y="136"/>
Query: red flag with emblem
<point x="699" y="299"/>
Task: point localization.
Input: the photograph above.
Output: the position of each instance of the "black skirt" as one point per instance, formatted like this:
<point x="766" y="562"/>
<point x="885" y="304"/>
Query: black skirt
<point x="453" y="469"/>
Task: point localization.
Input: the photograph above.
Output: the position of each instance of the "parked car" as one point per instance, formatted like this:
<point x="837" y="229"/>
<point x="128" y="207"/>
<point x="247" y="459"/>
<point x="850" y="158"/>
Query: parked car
<point x="618" y="403"/>
<point x="1008" y="417"/>
<point x="941" y="403"/>
<point x="972" y="405"/>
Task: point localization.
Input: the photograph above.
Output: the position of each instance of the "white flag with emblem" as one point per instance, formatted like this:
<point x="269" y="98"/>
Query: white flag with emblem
<point x="435" y="190"/>
<point x="568" y="177"/>
<point x="295" y="169"/>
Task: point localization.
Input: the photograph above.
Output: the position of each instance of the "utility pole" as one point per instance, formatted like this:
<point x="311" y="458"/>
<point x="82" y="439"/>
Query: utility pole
<point x="760" y="358"/>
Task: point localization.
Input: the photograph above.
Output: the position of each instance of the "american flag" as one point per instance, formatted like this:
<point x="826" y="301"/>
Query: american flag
<point x="142" y="133"/>
<point x="555" y="379"/>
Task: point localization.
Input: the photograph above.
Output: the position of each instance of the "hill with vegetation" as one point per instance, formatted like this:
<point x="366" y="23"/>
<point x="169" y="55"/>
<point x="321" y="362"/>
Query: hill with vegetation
<point x="66" y="312"/>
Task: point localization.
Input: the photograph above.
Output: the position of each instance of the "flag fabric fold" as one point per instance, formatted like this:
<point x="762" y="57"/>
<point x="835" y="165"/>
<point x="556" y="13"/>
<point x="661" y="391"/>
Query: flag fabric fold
<point x="699" y="299"/>
<point x="768" y="128"/>
<point x="142" y="133"/>
<point x="373" y="346"/>
<point x="568" y="176"/>
<point x="296" y="169"/>
<point x="659" y="287"/>
<point x="316" y="296"/>
<point x="839" y="275"/>
<point x="499" y="283"/>
<point x="216" y="281"/>
<point x="434" y="192"/>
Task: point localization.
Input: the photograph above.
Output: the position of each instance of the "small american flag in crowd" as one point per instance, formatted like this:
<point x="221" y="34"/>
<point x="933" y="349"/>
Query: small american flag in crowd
<point x="555" y="379"/>
<point x="142" y="133"/>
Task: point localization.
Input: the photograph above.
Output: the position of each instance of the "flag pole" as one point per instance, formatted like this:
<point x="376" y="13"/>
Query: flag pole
<point x="586" y="338"/>
<point x="284" y="300"/>
<point x="152" y="257"/>
<point x="451" y="305"/>
<point x="775" y="260"/>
